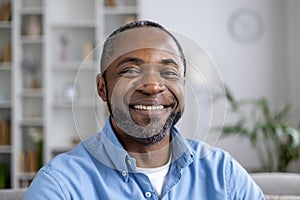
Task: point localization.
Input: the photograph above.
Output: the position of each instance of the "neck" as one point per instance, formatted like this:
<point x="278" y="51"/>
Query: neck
<point x="146" y="155"/>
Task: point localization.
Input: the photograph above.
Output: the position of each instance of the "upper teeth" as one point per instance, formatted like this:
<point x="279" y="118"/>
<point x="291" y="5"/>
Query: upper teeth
<point x="142" y="107"/>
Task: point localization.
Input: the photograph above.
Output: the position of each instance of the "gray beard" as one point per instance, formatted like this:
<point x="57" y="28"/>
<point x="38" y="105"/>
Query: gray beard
<point x="152" y="133"/>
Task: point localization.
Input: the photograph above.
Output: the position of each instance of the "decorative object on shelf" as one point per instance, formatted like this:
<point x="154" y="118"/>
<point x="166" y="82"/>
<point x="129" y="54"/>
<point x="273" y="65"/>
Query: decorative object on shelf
<point x="129" y="18"/>
<point x="88" y="51"/>
<point x="5" y="132"/>
<point x="35" y="156"/>
<point x="33" y="26"/>
<point x="277" y="142"/>
<point x="110" y="3"/>
<point x="64" y="48"/>
<point x="31" y="66"/>
<point x="5" y="55"/>
<point x="70" y="92"/>
<point x="32" y="160"/>
<point x="5" y="12"/>
<point x="245" y="26"/>
<point x="115" y="3"/>
<point x="3" y="175"/>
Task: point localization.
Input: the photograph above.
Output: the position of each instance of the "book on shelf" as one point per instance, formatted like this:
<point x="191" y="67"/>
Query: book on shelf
<point x="5" y="11"/>
<point x="28" y="161"/>
<point x="5" y="55"/>
<point x="4" y="132"/>
<point x="32" y="161"/>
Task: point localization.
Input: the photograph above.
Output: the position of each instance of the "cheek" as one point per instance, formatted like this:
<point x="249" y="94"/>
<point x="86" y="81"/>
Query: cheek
<point x="120" y="91"/>
<point x="178" y="92"/>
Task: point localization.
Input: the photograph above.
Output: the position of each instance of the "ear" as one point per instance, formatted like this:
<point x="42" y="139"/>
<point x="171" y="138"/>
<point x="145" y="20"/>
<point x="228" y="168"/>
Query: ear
<point x="101" y="86"/>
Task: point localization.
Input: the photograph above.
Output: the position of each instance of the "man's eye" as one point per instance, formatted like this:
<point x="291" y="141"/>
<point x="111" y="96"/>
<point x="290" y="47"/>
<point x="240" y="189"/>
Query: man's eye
<point x="130" y="72"/>
<point x="170" y="74"/>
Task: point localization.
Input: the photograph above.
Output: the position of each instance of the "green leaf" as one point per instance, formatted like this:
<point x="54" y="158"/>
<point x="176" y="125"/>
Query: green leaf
<point x="281" y="115"/>
<point x="295" y="136"/>
<point x="230" y="98"/>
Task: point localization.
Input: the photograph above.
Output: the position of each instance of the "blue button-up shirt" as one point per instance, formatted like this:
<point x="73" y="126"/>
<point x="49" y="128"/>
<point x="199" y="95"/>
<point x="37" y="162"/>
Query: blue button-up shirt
<point x="100" y="168"/>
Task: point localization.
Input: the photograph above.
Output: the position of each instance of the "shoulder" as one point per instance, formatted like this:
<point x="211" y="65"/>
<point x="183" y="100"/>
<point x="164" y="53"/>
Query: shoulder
<point x="62" y="167"/>
<point x="220" y="167"/>
<point x="215" y="159"/>
<point x="65" y="175"/>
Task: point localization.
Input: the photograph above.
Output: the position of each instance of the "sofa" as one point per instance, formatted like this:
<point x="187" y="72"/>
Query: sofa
<point x="279" y="186"/>
<point x="12" y="194"/>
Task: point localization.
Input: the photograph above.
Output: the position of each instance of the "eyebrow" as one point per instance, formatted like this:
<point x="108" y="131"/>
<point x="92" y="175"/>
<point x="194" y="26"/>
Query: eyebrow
<point x="168" y="61"/>
<point x="141" y="61"/>
<point x="130" y="59"/>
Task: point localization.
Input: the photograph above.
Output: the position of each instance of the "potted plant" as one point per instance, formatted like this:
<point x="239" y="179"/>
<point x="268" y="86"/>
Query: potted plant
<point x="277" y="142"/>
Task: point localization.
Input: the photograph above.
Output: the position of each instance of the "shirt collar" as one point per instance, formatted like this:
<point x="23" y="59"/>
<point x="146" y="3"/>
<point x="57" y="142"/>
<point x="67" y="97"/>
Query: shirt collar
<point x="117" y="157"/>
<point x="113" y="147"/>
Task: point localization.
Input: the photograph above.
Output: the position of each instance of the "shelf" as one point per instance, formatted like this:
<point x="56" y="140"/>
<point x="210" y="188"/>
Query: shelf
<point x="75" y="65"/>
<point x="75" y="24"/>
<point x="32" y="39"/>
<point x="76" y="104"/>
<point x="32" y="93"/>
<point x="5" y="24"/>
<point x="32" y="10"/>
<point x="32" y="122"/>
<point x="83" y="24"/>
<point x="5" y="149"/>
<point x="5" y="66"/>
<point x="5" y="104"/>
<point x="120" y="10"/>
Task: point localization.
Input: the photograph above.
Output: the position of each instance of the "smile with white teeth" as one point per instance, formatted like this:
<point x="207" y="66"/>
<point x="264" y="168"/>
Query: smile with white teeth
<point x="148" y="108"/>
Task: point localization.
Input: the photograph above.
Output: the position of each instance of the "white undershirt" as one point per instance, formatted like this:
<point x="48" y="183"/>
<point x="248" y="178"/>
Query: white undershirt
<point x="156" y="175"/>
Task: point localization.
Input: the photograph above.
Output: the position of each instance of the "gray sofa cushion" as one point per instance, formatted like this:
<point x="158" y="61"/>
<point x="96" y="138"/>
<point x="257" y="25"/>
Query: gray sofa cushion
<point x="281" y="197"/>
<point x="12" y="194"/>
<point x="278" y="183"/>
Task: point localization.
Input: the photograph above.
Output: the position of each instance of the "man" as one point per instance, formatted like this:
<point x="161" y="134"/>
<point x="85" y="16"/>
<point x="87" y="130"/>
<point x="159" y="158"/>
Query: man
<point x="140" y="154"/>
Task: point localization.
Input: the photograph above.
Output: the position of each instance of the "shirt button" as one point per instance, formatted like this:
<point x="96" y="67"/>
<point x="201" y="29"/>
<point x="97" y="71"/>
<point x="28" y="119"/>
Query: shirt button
<point x="124" y="173"/>
<point x="129" y="162"/>
<point x="148" y="194"/>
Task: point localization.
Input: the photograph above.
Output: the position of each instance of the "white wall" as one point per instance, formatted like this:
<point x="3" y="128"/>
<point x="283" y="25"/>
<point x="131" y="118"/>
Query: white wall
<point x="251" y="70"/>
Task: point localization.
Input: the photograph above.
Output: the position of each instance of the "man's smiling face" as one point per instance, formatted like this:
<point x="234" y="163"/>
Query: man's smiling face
<point x="144" y="87"/>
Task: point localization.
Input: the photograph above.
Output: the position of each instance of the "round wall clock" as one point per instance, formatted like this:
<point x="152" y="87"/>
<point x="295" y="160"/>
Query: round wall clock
<point x="245" y="25"/>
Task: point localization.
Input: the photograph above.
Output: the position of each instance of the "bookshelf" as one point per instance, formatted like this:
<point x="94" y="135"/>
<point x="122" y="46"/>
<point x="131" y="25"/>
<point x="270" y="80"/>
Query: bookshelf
<point x="44" y="46"/>
<point x="6" y="87"/>
<point x="28" y="91"/>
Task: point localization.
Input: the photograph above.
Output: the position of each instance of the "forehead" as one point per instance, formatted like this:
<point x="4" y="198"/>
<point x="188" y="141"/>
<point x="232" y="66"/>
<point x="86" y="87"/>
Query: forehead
<point x="141" y="38"/>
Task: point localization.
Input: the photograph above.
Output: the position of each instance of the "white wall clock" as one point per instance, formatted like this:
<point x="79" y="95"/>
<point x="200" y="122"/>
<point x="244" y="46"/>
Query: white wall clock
<point x="245" y="25"/>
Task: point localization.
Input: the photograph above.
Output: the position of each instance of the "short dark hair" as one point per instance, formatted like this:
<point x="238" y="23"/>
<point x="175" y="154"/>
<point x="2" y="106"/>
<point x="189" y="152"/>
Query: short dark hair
<point x="108" y="44"/>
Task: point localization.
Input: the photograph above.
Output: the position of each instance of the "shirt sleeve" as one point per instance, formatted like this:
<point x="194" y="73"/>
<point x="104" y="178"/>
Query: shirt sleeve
<point x="239" y="183"/>
<point x="46" y="186"/>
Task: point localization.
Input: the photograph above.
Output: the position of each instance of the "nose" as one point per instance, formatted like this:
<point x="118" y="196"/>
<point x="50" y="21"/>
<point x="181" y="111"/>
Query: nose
<point x="151" y="84"/>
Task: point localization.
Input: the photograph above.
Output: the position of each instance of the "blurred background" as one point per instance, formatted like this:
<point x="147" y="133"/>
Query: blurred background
<point x="49" y="58"/>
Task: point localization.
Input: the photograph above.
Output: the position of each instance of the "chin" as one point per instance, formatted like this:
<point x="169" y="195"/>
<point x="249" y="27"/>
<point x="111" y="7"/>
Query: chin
<point x="152" y="139"/>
